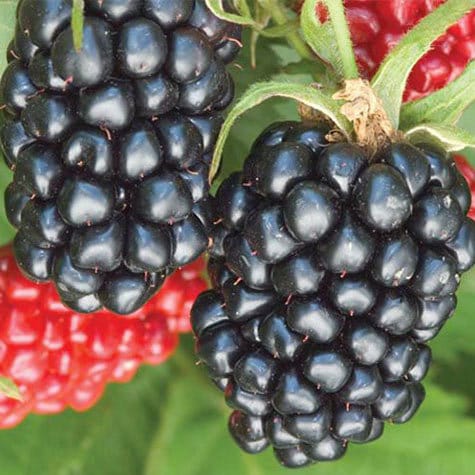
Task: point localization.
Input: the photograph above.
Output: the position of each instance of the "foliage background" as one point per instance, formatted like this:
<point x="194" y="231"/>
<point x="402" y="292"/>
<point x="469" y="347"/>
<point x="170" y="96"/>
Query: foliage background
<point x="171" y="421"/>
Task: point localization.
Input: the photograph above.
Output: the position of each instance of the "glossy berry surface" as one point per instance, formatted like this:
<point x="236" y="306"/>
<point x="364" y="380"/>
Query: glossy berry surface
<point x="59" y="358"/>
<point x="330" y="273"/>
<point x="377" y="26"/>
<point x="110" y="144"/>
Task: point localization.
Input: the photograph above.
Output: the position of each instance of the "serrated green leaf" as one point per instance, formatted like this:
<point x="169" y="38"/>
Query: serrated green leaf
<point x="445" y="106"/>
<point x="10" y="389"/>
<point x="258" y="93"/>
<point x="77" y="23"/>
<point x="451" y="139"/>
<point x="390" y="81"/>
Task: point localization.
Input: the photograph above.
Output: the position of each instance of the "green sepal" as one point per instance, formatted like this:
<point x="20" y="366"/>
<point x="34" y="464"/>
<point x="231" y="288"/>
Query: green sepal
<point x="450" y="138"/>
<point x="444" y="106"/>
<point x="330" y="40"/>
<point x="260" y="92"/>
<point x="320" y="36"/>
<point x="258" y="20"/>
<point x="242" y="7"/>
<point x="243" y="18"/>
<point x="9" y="388"/>
<point x="390" y="81"/>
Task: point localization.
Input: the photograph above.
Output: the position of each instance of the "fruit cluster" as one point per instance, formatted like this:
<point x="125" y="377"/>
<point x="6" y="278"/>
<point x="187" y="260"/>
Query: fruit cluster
<point x="110" y="143"/>
<point x="59" y="358"/>
<point x="377" y="26"/>
<point x="331" y="270"/>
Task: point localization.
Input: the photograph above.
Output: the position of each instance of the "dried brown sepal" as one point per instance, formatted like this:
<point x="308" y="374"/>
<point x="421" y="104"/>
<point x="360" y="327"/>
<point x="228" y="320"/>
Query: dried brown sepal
<point x="373" y="129"/>
<point x="335" y="136"/>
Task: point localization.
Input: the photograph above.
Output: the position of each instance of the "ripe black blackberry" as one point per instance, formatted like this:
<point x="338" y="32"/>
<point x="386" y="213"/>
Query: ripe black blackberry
<point x="110" y="144"/>
<point x="330" y="271"/>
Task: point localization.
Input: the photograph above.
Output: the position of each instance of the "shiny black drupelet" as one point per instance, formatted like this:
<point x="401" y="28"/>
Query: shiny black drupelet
<point x="110" y="144"/>
<point x="330" y="273"/>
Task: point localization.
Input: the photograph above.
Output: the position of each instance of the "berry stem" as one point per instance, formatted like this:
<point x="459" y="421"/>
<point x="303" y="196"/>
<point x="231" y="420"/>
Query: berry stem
<point x="336" y="11"/>
<point x="277" y="11"/>
<point x="77" y="22"/>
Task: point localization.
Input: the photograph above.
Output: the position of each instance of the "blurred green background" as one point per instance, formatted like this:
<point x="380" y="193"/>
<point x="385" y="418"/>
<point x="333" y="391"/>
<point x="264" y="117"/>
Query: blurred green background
<point x="171" y="421"/>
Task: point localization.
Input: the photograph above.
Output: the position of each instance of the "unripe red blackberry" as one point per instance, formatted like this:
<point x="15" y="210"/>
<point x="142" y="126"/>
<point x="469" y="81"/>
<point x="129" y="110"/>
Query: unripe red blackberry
<point x="110" y="144"/>
<point x="331" y="270"/>
<point x="59" y="358"/>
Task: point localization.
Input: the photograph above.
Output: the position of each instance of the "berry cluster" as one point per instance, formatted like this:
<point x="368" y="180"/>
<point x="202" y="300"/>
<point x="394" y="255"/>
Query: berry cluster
<point x="377" y="26"/>
<point x="331" y="271"/>
<point x="110" y="144"/>
<point x="61" y="359"/>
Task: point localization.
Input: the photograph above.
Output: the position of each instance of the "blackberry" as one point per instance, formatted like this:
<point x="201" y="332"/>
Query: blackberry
<point x="330" y="272"/>
<point x="110" y="144"/>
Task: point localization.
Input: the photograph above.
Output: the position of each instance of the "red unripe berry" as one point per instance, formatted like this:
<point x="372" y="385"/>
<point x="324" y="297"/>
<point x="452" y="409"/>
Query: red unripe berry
<point x="61" y="359"/>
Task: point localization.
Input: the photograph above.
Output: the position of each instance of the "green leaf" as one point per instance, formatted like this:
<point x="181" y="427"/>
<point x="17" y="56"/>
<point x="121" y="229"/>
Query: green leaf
<point x="9" y="389"/>
<point x="112" y="439"/>
<point x="217" y="7"/>
<point x="242" y="7"/>
<point x="320" y="36"/>
<point x="451" y="139"/>
<point x="341" y="30"/>
<point x="391" y="79"/>
<point x="77" y="23"/>
<point x="258" y="93"/>
<point x="444" y="106"/>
